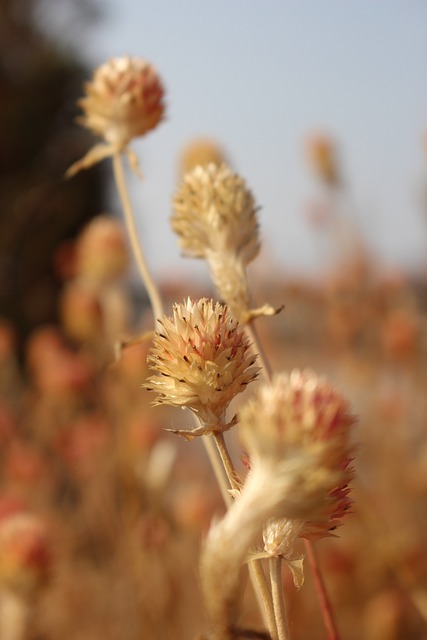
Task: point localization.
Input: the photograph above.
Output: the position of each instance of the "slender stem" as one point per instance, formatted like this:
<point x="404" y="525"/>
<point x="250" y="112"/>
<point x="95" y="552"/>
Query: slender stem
<point x="144" y="272"/>
<point x="275" y="566"/>
<point x="13" y="615"/>
<point x="226" y="460"/>
<point x="264" y="596"/>
<point x="256" y="571"/>
<point x="218" y="469"/>
<point x="265" y="364"/>
<point x="325" y="604"/>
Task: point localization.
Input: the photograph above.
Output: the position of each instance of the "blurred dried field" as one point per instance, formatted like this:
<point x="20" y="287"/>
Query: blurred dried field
<point x="124" y="505"/>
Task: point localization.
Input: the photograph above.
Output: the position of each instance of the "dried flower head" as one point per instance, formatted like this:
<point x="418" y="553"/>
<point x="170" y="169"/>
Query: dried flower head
<point x="102" y="252"/>
<point x="323" y="158"/>
<point x="215" y="217"/>
<point x="202" y="360"/>
<point x="25" y="551"/>
<point x="296" y="433"/>
<point x="215" y="211"/>
<point x="201" y="151"/>
<point x="123" y="100"/>
<point x="301" y="421"/>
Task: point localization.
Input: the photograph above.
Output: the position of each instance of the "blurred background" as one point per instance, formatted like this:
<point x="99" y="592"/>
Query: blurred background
<point x="321" y="105"/>
<point x="261" y="80"/>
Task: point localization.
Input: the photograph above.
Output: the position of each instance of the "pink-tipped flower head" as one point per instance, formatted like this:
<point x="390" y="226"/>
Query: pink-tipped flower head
<point x="215" y="211"/>
<point x="123" y="100"/>
<point x="300" y="424"/>
<point x="322" y="155"/>
<point x="201" y="359"/>
<point x="215" y="217"/>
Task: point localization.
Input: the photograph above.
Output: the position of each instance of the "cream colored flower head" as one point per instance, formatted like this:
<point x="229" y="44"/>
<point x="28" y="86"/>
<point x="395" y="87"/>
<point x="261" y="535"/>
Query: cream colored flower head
<point x="215" y="217"/>
<point x="300" y="425"/>
<point x="124" y="100"/>
<point x="201" y="360"/>
<point x="215" y="211"/>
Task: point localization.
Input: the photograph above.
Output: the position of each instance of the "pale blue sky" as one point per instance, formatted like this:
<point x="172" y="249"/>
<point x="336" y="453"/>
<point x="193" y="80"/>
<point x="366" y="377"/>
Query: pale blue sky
<point x="260" y="75"/>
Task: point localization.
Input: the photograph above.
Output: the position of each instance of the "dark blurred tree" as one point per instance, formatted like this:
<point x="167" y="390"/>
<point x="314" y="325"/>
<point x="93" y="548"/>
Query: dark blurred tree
<point x="40" y="81"/>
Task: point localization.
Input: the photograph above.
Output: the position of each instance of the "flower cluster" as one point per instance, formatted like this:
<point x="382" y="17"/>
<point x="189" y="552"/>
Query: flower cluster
<point x="202" y="360"/>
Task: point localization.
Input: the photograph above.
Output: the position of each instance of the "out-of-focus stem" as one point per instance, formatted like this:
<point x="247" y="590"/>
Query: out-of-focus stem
<point x="256" y="571"/>
<point x="13" y="616"/>
<point x="325" y="604"/>
<point x="324" y="601"/>
<point x="144" y="272"/>
<point x="275" y="566"/>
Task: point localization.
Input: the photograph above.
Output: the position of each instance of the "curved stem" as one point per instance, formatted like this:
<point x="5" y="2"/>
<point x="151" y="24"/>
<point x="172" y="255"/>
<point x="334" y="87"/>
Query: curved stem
<point x="144" y="272"/>
<point x="325" y="603"/>
<point x="275" y="566"/>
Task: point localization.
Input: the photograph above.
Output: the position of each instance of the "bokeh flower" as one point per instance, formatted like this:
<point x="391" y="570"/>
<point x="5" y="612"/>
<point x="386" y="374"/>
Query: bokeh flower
<point x="202" y="360"/>
<point x="301" y="424"/>
<point x="322" y="155"/>
<point x="25" y="551"/>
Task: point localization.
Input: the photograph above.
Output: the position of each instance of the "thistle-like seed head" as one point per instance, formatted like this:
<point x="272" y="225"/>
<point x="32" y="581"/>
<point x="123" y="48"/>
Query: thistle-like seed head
<point x="301" y="424"/>
<point x="214" y="211"/>
<point x="200" y="151"/>
<point x="322" y="155"/>
<point x="201" y="360"/>
<point x="123" y="100"/>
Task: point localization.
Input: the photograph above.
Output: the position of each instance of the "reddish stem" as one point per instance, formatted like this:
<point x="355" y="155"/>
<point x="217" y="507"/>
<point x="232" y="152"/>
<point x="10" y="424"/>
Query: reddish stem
<point x="325" y="604"/>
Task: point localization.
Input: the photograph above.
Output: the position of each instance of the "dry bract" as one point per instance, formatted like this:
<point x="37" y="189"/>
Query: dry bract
<point x="201" y="360"/>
